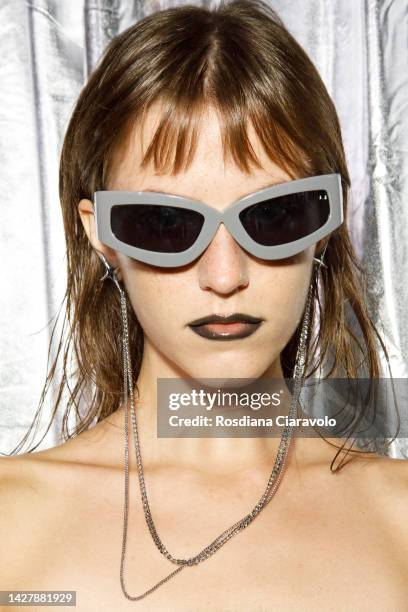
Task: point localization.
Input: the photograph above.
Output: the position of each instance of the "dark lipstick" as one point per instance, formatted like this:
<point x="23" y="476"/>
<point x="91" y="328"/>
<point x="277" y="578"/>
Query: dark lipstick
<point x="223" y="327"/>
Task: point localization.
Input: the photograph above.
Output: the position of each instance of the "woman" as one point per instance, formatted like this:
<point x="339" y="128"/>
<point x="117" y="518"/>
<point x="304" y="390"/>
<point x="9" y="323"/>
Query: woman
<point x="196" y="109"/>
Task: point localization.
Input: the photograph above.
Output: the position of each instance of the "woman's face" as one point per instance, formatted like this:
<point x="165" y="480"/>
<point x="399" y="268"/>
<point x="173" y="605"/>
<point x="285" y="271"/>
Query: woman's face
<point x="225" y="279"/>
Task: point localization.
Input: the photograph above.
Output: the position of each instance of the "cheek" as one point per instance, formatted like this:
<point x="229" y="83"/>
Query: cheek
<point x="283" y="297"/>
<point x="156" y="299"/>
<point x="293" y="289"/>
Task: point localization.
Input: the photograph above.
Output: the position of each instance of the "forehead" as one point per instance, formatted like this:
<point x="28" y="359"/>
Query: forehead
<point x="208" y="178"/>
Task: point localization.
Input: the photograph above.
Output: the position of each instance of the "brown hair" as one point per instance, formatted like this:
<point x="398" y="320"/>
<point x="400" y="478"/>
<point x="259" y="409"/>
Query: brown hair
<point x="239" y="58"/>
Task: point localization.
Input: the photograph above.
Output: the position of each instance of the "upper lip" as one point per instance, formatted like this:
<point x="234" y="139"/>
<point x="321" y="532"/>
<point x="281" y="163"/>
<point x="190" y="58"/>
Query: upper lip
<point x="219" y="318"/>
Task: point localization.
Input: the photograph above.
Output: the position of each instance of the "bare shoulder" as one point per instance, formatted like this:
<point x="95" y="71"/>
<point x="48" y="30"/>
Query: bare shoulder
<point x="374" y="485"/>
<point x="29" y="471"/>
<point x="37" y="472"/>
<point x="388" y="474"/>
<point x="17" y="478"/>
<point x="386" y="482"/>
<point x="25" y="481"/>
<point x="21" y="494"/>
<point x="36" y="490"/>
<point x="381" y="474"/>
<point x="34" y="481"/>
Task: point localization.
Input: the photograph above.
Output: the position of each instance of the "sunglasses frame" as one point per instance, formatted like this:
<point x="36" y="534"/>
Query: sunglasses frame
<point x="105" y="200"/>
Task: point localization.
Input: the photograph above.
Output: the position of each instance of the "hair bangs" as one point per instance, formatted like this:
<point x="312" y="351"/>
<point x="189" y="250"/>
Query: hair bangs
<point x="174" y="142"/>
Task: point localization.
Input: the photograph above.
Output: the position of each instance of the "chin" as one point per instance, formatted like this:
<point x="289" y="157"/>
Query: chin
<point x="223" y="376"/>
<point x="222" y="383"/>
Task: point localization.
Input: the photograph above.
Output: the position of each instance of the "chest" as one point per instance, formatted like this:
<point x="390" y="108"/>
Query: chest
<point x="302" y="552"/>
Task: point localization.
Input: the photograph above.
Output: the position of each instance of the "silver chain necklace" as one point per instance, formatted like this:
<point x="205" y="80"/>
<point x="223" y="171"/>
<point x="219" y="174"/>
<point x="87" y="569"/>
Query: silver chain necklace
<point x="275" y="476"/>
<point x="271" y="488"/>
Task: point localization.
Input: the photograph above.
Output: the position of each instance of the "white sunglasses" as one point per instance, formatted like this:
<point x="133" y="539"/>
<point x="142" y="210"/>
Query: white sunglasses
<point x="169" y="230"/>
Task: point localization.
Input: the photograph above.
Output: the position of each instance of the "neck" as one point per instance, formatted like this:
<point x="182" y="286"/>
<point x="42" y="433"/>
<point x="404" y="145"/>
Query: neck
<point x="215" y="456"/>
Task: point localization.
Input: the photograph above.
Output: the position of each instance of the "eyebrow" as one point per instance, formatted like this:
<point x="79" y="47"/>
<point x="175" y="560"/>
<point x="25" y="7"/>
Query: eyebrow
<point x="153" y="190"/>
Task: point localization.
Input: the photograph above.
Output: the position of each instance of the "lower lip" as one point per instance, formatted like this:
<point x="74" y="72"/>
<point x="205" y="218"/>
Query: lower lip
<point x="226" y="331"/>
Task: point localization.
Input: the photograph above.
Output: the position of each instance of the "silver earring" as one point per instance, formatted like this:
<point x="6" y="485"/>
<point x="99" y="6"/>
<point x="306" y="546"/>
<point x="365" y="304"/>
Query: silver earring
<point x="320" y="261"/>
<point x="110" y="272"/>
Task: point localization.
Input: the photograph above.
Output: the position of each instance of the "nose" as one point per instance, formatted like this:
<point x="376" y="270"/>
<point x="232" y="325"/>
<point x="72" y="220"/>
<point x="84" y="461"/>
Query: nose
<point x="223" y="267"/>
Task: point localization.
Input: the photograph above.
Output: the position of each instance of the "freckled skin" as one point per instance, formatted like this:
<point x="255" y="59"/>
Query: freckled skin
<point x="224" y="279"/>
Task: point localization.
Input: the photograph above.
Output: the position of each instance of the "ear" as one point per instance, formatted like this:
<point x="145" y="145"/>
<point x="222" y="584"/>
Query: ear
<point x="86" y="212"/>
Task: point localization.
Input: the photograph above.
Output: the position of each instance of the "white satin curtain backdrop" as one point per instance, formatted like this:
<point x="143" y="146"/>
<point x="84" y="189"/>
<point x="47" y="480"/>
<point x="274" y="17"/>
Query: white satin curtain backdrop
<point x="47" y="48"/>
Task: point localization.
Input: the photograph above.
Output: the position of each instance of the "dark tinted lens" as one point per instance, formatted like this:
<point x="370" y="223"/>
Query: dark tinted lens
<point x="164" y="229"/>
<point x="286" y="218"/>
